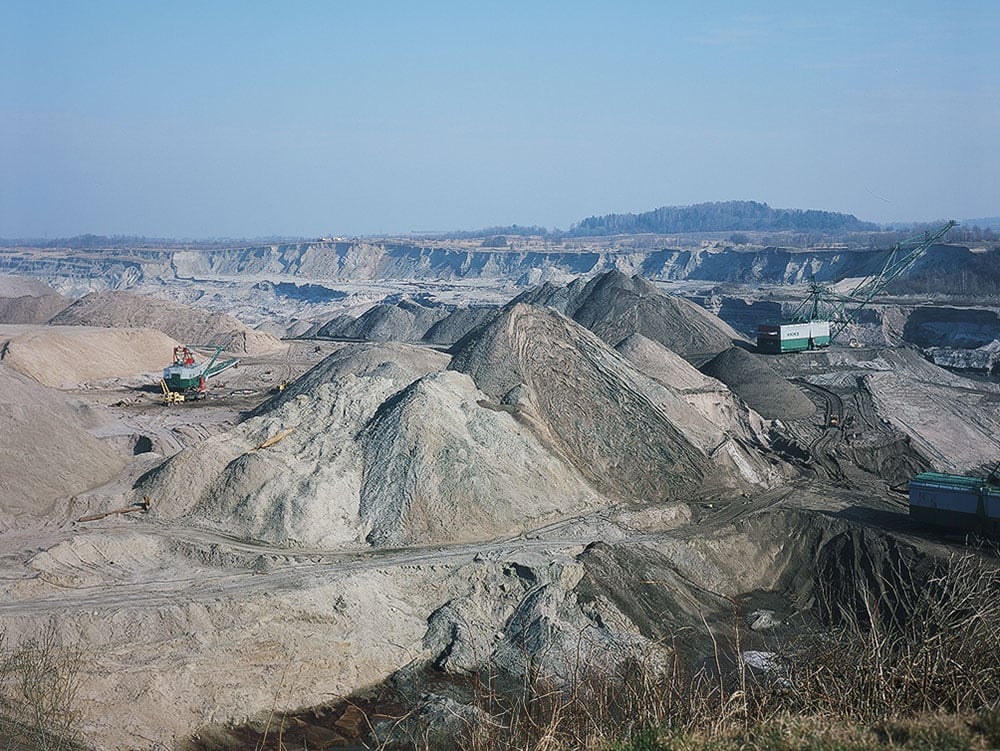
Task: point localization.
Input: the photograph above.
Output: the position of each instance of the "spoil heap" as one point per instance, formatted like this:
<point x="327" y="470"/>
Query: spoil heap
<point x="759" y="386"/>
<point x="630" y="436"/>
<point x="66" y="356"/>
<point x="23" y="286"/>
<point x="614" y="306"/>
<point x="31" y="309"/>
<point x="382" y="449"/>
<point x="184" y="323"/>
<point x="458" y="323"/>
<point x="664" y="365"/>
<point x="405" y="321"/>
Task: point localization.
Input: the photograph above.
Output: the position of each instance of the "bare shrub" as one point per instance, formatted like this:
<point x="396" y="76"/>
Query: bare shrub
<point x="39" y="680"/>
<point x="937" y="649"/>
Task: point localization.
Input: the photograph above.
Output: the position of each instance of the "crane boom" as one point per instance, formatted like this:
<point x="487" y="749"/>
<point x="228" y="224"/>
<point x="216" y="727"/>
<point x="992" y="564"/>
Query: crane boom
<point x="809" y="327"/>
<point x="901" y="256"/>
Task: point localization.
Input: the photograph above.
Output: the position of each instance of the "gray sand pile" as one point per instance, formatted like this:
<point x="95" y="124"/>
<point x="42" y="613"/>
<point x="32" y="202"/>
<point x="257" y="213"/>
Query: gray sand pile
<point x="186" y="324"/>
<point x="664" y="365"/>
<point x="379" y="451"/>
<point x="66" y="356"/>
<point x="614" y="306"/>
<point x="630" y="436"/>
<point x="440" y="466"/>
<point x="759" y="386"/>
<point x="29" y="309"/>
<point x="397" y="362"/>
<point x="45" y="451"/>
<point x="711" y="397"/>
<point x="458" y="323"/>
<point x="23" y="286"/>
<point x="405" y="321"/>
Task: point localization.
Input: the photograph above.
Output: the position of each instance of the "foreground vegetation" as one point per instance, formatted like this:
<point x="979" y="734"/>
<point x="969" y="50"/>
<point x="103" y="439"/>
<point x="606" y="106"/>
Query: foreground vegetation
<point x="901" y="656"/>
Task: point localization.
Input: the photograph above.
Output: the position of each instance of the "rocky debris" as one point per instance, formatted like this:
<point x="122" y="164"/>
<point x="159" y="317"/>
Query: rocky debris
<point x="66" y="356"/>
<point x="615" y="306"/>
<point x="952" y="327"/>
<point x="31" y="309"/>
<point x="985" y="359"/>
<point x="46" y="452"/>
<point x="759" y="386"/>
<point x="186" y="324"/>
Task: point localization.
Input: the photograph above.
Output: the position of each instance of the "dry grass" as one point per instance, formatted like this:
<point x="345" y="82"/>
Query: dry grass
<point x="39" y="679"/>
<point x="901" y="664"/>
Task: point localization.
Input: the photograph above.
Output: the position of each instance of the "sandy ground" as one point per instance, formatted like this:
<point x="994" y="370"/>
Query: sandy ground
<point x="185" y="622"/>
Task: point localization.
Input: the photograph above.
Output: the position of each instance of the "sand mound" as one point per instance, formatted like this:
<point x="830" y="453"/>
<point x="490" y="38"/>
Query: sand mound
<point x="405" y="321"/>
<point x="45" y="452"/>
<point x="186" y="324"/>
<point x="23" y="286"/>
<point x="615" y="306"/>
<point x="630" y="436"/>
<point x="307" y="487"/>
<point x="399" y="363"/>
<point x="760" y="387"/>
<point x="368" y="462"/>
<point x="438" y="466"/>
<point x="31" y="308"/>
<point x="458" y="323"/>
<point x="663" y="365"/>
<point x="66" y="356"/>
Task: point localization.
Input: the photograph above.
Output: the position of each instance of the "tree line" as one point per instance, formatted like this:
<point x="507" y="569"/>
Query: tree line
<point x="720" y="216"/>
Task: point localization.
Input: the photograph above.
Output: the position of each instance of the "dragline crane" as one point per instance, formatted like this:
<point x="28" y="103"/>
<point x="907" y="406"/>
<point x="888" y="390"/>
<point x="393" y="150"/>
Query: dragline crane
<point x="824" y="314"/>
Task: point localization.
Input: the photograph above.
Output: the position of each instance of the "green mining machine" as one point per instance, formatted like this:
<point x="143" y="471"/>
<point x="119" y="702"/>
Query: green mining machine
<point x="823" y="315"/>
<point x="187" y="377"/>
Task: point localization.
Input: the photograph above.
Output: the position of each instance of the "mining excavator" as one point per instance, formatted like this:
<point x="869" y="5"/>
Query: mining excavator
<point x="187" y="379"/>
<point x="957" y="502"/>
<point x="824" y="314"/>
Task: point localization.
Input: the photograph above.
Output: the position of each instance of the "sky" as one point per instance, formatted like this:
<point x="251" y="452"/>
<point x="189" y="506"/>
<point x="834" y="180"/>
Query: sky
<point x="308" y="118"/>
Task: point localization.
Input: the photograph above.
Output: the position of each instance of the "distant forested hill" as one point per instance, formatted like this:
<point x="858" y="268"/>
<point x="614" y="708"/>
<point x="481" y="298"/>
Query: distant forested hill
<point x="722" y="216"/>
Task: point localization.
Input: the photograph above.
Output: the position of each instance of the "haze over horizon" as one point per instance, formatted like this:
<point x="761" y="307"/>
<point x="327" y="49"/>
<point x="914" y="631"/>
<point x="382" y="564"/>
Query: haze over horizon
<point x="245" y="119"/>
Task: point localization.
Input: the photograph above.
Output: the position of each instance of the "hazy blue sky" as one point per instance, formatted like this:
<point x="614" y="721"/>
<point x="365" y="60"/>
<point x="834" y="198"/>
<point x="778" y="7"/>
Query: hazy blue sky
<point x="199" y="119"/>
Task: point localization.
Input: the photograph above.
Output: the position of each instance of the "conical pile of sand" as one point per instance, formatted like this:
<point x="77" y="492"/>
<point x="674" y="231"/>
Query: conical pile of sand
<point x="664" y="365"/>
<point x="630" y="436"/>
<point x="615" y="306"/>
<point x="760" y="387"/>
<point x="458" y="323"/>
<point x="405" y="321"/>
<point x="441" y="466"/>
<point x="23" y="286"/>
<point x="382" y="450"/>
<point x="186" y="324"/>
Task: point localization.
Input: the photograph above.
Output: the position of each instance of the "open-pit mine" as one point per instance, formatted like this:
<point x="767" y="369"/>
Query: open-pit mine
<point x="432" y="466"/>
